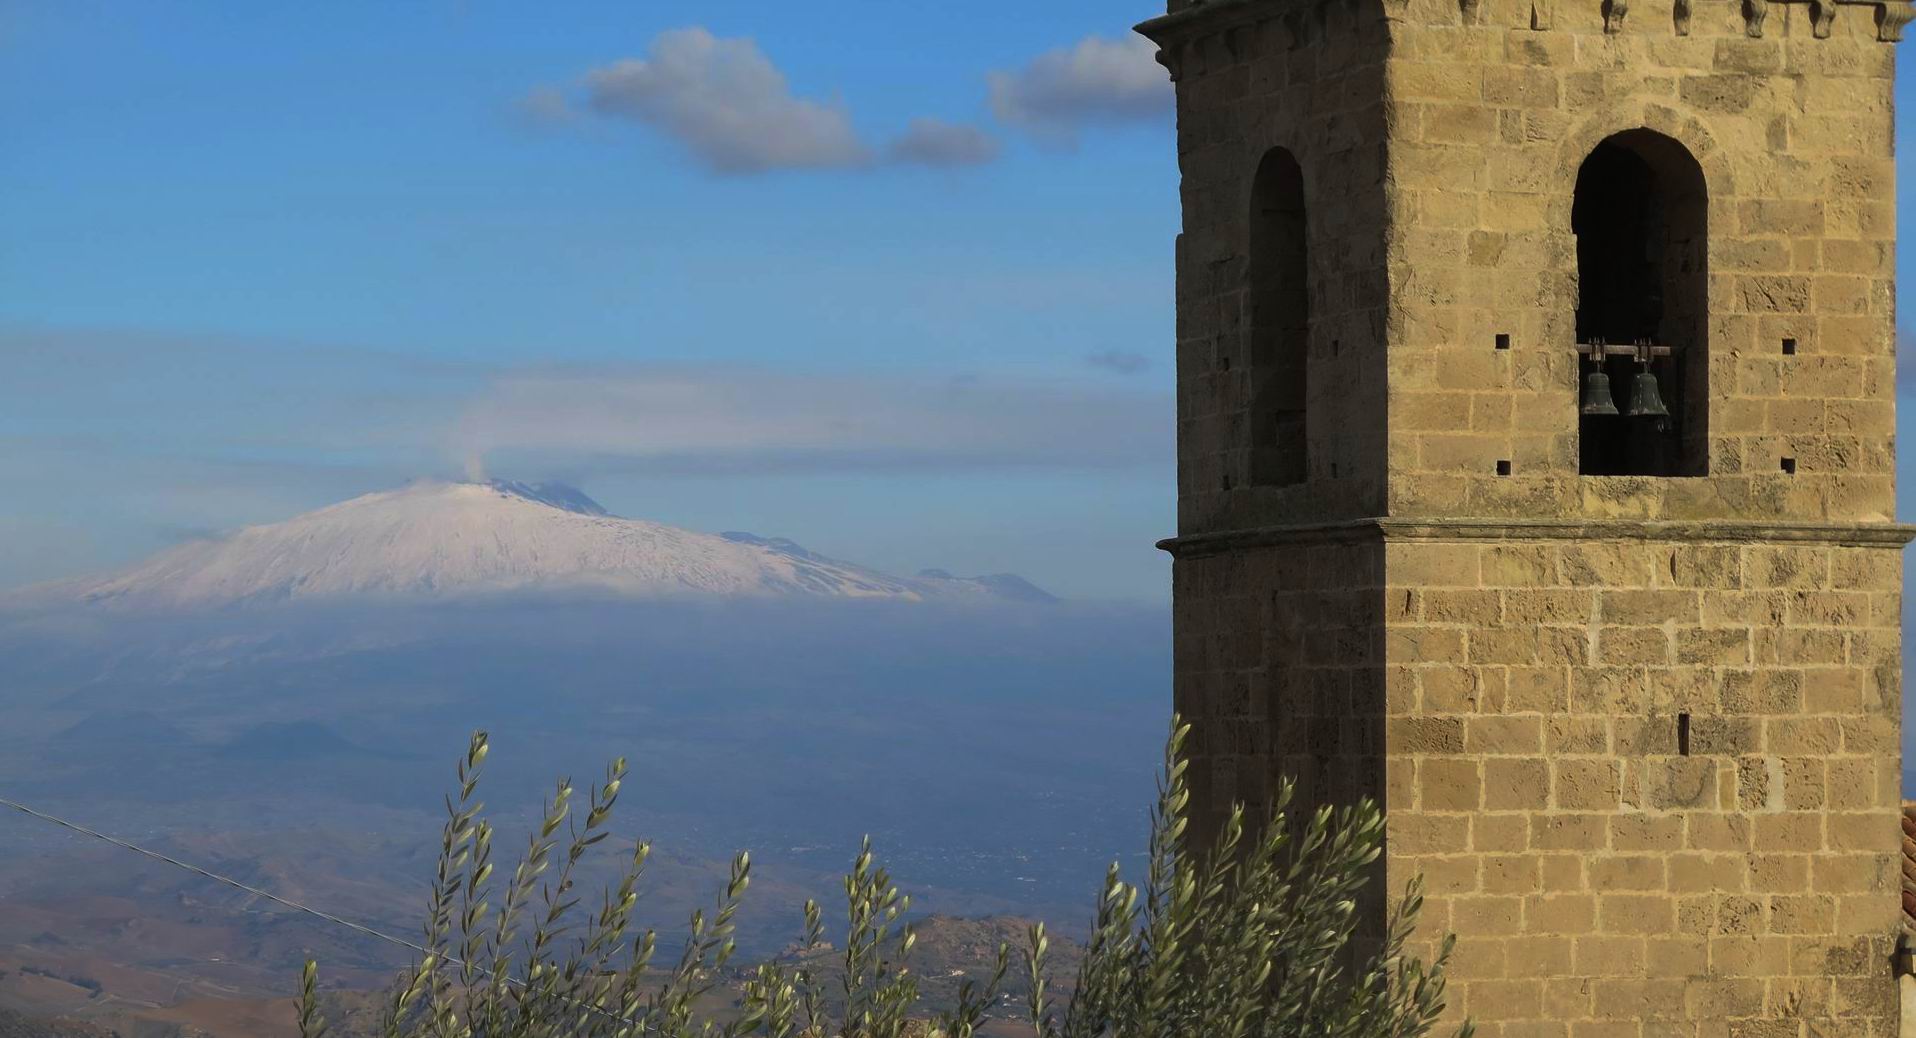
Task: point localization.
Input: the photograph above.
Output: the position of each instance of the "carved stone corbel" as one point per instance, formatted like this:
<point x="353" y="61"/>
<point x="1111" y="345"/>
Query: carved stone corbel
<point x="1613" y="14"/>
<point x="1822" y="16"/>
<point x="1681" y="17"/>
<point x="1754" y="11"/>
<point x="1891" y="16"/>
<point x="1540" y="14"/>
<point x="1172" y="58"/>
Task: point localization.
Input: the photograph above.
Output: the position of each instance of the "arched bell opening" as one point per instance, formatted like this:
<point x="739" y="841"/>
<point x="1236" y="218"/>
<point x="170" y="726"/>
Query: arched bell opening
<point x="1641" y="219"/>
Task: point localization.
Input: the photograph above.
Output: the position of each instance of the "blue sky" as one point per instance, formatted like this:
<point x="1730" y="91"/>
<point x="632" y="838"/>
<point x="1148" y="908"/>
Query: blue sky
<point x="259" y="258"/>
<point x="912" y="307"/>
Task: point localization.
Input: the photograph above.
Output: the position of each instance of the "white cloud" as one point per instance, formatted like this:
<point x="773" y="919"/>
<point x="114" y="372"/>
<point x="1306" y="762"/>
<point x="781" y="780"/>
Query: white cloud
<point x="1097" y="80"/>
<point x="728" y="104"/>
<point x="934" y="142"/>
<point x="698" y="419"/>
<point x="724" y="100"/>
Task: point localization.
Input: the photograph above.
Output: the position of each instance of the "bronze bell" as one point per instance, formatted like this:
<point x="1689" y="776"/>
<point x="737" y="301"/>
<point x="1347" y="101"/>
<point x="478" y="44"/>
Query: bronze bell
<point x="1646" y="401"/>
<point x="1596" y="394"/>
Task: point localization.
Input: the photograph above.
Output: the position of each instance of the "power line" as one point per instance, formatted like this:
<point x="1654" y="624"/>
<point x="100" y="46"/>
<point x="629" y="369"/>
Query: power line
<point x="214" y="876"/>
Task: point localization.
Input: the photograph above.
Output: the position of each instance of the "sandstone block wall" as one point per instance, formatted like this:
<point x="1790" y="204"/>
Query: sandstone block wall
<point x="1280" y="671"/>
<point x="1325" y="103"/>
<point x="1653" y="783"/>
<point x="1490" y="122"/>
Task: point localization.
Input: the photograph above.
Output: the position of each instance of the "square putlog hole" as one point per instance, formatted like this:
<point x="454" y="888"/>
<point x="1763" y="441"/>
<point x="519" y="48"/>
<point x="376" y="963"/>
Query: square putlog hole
<point x="1503" y="468"/>
<point x="1789" y="347"/>
<point x="1789" y="466"/>
<point x="1503" y="340"/>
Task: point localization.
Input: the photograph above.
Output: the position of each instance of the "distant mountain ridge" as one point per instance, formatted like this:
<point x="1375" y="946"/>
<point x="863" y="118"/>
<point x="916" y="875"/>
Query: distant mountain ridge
<point x="437" y="539"/>
<point x="558" y="495"/>
<point x="935" y="581"/>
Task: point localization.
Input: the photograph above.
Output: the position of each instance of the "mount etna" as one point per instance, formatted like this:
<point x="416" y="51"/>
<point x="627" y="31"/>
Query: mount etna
<point x="445" y="539"/>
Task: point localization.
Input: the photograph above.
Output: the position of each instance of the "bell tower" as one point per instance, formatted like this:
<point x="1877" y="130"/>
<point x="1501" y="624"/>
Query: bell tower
<point x="1536" y="391"/>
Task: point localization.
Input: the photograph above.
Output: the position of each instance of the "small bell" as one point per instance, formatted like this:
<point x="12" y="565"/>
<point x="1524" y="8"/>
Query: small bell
<point x="1596" y="394"/>
<point x="1646" y="401"/>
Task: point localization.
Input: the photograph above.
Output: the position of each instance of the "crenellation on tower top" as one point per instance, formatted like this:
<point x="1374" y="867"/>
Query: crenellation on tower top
<point x="1883" y="19"/>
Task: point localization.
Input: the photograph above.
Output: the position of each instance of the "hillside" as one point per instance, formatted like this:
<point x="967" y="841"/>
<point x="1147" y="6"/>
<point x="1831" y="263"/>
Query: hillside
<point x="13" y="1025"/>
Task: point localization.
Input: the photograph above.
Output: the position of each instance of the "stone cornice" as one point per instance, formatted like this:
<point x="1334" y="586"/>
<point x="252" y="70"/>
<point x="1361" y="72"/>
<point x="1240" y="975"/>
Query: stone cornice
<point x="1174" y="32"/>
<point x="1859" y="535"/>
<point x="1209" y="17"/>
<point x="1204" y="18"/>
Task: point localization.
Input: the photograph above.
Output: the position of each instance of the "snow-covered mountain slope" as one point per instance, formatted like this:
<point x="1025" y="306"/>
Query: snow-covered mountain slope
<point x="440" y="539"/>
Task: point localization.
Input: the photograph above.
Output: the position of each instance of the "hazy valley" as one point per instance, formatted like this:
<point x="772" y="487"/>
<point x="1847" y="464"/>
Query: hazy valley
<point x="284" y="705"/>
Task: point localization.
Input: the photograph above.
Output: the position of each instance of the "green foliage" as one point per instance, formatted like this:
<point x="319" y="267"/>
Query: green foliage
<point x="1258" y="936"/>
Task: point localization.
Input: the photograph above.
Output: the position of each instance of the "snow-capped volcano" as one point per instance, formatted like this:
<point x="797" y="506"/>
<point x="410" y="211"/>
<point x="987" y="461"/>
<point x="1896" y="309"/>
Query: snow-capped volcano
<point x="456" y="538"/>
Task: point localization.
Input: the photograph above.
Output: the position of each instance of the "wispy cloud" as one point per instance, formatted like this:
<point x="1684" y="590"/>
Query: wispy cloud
<point x="725" y="101"/>
<point x="934" y="142"/>
<point x="1124" y="362"/>
<point x="1096" y="80"/>
<point x="213" y="411"/>
<point x="113" y="442"/>
<point x="732" y="108"/>
<point x="730" y="420"/>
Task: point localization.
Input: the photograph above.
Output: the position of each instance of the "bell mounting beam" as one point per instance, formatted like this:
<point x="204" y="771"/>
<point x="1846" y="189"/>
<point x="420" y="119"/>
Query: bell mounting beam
<point x="1642" y="351"/>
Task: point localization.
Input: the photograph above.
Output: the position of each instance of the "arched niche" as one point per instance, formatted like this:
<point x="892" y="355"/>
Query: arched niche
<point x="1279" y="302"/>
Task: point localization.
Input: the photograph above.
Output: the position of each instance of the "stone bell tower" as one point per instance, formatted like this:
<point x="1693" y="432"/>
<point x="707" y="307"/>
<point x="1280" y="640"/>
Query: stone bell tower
<point x="1536" y="388"/>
